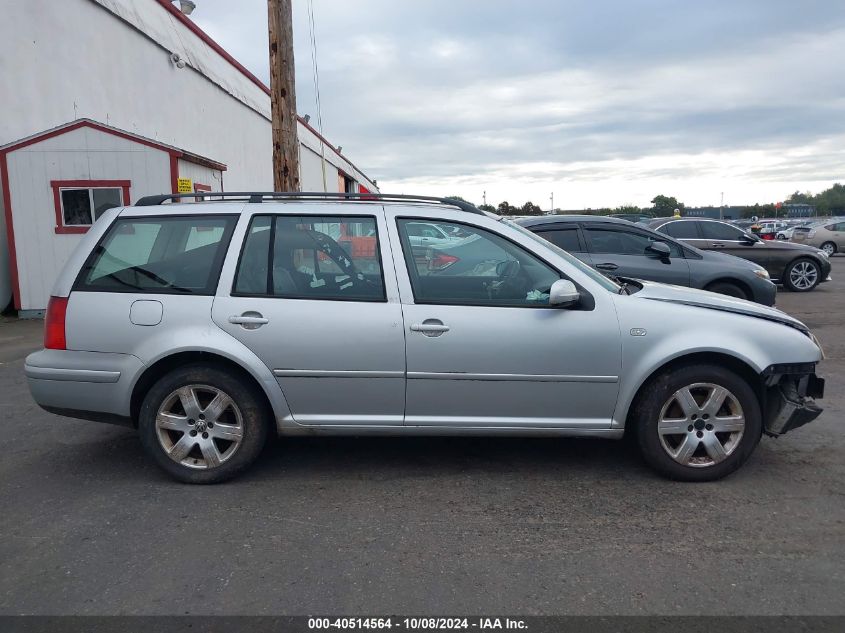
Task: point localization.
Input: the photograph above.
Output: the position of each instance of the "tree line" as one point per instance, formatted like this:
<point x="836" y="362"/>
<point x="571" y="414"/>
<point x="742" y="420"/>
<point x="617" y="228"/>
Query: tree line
<point x="829" y="202"/>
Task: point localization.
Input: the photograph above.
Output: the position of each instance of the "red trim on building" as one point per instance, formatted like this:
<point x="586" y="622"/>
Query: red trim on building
<point x="94" y="125"/>
<point x="174" y="175"/>
<point x="205" y="37"/>
<point x="58" y="185"/>
<point x="10" y="230"/>
<point x="199" y="188"/>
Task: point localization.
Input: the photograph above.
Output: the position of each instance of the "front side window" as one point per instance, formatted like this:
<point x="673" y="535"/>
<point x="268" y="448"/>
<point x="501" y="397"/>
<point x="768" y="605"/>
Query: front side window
<point x="181" y="255"/>
<point x="311" y="257"/>
<point x="481" y="268"/>
<point x="613" y="242"/>
<point x="681" y="230"/>
<point x="720" y="231"/>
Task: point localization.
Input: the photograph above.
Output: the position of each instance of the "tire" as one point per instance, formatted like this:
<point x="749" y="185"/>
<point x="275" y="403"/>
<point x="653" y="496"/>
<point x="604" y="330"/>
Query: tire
<point x="693" y="455"/>
<point x="802" y="275"/>
<point x="829" y="248"/>
<point x="203" y="424"/>
<point x="728" y="288"/>
<point x="781" y="236"/>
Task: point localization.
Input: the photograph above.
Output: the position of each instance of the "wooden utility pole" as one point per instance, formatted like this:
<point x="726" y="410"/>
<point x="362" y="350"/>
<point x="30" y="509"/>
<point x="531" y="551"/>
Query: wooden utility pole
<point x="283" y="97"/>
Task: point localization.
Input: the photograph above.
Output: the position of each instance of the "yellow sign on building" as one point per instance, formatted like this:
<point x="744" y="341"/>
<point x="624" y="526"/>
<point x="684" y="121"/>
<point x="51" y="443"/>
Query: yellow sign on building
<point x="185" y="185"/>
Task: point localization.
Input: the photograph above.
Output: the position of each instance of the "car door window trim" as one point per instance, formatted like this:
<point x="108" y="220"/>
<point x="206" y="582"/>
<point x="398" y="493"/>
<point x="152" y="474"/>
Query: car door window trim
<point x="271" y="254"/>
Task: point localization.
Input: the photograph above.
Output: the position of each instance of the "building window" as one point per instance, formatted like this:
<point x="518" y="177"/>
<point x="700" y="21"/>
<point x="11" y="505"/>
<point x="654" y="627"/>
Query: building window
<point x="79" y="203"/>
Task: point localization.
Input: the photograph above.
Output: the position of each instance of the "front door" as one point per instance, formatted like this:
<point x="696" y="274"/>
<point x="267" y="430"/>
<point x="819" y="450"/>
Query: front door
<point x="625" y="252"/>
<point x="485" y="350"/>
<point x="311" y="298"/>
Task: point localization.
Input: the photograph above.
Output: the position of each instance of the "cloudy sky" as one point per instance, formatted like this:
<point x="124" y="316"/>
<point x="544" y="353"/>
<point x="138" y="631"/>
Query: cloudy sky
<point x="604" y="102"/>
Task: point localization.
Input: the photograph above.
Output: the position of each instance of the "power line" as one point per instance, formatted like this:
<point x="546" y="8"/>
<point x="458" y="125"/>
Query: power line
<point x="316" y="76"/>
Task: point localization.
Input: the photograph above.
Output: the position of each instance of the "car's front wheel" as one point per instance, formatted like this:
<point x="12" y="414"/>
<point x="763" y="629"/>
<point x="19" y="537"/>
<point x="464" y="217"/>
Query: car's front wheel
<point x="802" y="275"/>
<point x="697" y="423"/>
<point x="203" y="424"/>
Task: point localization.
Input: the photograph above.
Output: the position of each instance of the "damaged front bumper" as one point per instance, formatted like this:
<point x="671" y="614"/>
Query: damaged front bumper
<point x="791" y="391"/>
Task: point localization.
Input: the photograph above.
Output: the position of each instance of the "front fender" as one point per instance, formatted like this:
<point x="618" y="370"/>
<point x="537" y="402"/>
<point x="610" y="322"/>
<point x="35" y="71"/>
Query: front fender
<point x="673" y="331"/>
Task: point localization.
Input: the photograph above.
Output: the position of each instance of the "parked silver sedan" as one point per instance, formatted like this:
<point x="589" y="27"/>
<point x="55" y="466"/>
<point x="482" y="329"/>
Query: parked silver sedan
<point x="310" y="314"/>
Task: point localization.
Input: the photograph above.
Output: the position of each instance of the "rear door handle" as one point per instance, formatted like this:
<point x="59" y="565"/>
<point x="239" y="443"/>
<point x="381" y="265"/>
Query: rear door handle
<point x="607" y="266"/>
<point x="717" y="245"/>
<point x="249" y="320"/>
<point x="430" y="327"/>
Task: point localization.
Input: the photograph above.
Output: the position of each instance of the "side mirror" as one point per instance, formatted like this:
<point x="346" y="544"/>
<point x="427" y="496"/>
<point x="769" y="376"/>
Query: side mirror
<point x="659" y="249"/>
<point x="563" y="293"/>
<point x="749" y="240"/>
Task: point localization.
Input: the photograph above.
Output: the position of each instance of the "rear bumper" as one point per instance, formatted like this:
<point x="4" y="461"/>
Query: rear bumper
<point x="88" y="385"/>
<point x="791" y="391"/>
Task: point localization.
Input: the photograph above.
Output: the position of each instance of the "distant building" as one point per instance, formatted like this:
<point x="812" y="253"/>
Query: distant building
<point x="798" y="210"/>
<point x="725" y="213"/>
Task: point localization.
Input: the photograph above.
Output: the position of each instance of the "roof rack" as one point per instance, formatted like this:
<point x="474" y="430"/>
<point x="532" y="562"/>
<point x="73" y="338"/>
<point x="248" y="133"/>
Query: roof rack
<point x="259" y="196"/>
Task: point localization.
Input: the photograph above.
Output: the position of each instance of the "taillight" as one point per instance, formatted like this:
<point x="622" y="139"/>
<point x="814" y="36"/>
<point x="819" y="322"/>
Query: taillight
<point x="811" y="233"/>
<point x="441" y="261"/>
<point x="54" y="323"/>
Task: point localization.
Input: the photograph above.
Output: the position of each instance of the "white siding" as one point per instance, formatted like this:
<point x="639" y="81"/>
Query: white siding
<point x="123" y="77"/>
<point x="82" y="154"/>
<point x="200" y="174"/>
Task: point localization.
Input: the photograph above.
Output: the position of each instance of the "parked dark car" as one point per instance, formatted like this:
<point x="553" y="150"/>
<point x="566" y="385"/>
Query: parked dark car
<point x="798" y="267"/>
<point x="622" y="249"/>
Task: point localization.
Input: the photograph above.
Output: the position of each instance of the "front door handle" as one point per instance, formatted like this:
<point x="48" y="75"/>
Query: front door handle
<point x="607" y="266"/>
<point x="717" y="245"/>
<point x="430" y="327"/>
<point x="249" y="320"/>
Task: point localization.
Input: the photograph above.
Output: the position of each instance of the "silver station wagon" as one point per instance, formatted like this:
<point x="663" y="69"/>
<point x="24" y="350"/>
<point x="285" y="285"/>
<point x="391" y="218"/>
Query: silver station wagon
<point x="209" y="326"/>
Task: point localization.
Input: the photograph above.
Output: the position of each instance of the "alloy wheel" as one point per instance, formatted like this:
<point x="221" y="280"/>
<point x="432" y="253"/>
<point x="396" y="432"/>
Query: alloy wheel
<point x="804" y="275"/>
<point x="701" y="425"/>
<point x="199" y="426"/>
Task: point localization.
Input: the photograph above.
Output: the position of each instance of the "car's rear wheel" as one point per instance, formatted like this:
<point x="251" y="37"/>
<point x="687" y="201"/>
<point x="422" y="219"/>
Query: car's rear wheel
<point x="829" y="248"/>
<point x="203" y="424"/>
<point x="697" y="423"/>
<point x="729" y="289"/>
<point x="802" y="275"/>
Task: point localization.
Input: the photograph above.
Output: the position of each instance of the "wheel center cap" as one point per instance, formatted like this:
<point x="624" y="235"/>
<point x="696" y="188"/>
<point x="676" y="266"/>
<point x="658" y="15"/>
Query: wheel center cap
<point x="699" y="424"/>
<point x="201" y="426"/>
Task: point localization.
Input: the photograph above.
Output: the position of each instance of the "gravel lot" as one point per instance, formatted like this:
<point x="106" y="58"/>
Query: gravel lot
<point x="88" y="525"/>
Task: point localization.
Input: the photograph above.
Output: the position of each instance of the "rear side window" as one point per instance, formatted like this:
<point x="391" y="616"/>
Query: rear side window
<point x="311" y="257"/>
<point x="681" y="230"/>
<point x="176" y="255"/>
<point x="567" y="239"/>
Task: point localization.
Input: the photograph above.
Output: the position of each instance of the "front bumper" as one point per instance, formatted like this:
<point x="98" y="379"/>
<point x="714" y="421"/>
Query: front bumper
<point x="791" y="391"/>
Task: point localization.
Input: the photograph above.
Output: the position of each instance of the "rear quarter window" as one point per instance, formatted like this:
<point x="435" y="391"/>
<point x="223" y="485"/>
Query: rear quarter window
<point x="176" y="255"/>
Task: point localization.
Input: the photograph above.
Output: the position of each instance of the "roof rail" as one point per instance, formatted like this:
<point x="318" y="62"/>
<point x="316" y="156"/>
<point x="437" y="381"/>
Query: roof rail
<point x="261" y="196"/>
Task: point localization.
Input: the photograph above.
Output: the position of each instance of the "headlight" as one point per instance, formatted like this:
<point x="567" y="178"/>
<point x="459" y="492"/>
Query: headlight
<point x="762" y="273"/>
<point x="823" y="254"/>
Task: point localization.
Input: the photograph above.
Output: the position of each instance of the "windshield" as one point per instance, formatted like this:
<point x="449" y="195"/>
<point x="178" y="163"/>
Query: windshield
<point x="596" y="276"/>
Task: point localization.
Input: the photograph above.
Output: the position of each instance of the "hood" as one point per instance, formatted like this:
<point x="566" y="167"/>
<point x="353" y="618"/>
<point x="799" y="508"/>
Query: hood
<point x="788" y="246"/>
<point x="712" y="301"/>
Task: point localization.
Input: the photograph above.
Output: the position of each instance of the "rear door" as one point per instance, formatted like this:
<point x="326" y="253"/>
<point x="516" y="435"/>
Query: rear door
<point x="623" y="251"/>
<point x="311" y="297"/>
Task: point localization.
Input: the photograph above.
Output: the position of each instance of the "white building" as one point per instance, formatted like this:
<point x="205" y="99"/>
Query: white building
<point x="106" y="101"/>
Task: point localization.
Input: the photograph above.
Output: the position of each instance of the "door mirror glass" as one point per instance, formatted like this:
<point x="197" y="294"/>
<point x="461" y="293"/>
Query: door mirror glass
<point x="659" y="249"/>
<point x="563" y="293"/>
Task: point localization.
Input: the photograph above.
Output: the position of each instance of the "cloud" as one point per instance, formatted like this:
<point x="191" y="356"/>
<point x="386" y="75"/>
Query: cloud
<point x="604" y="103"/>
